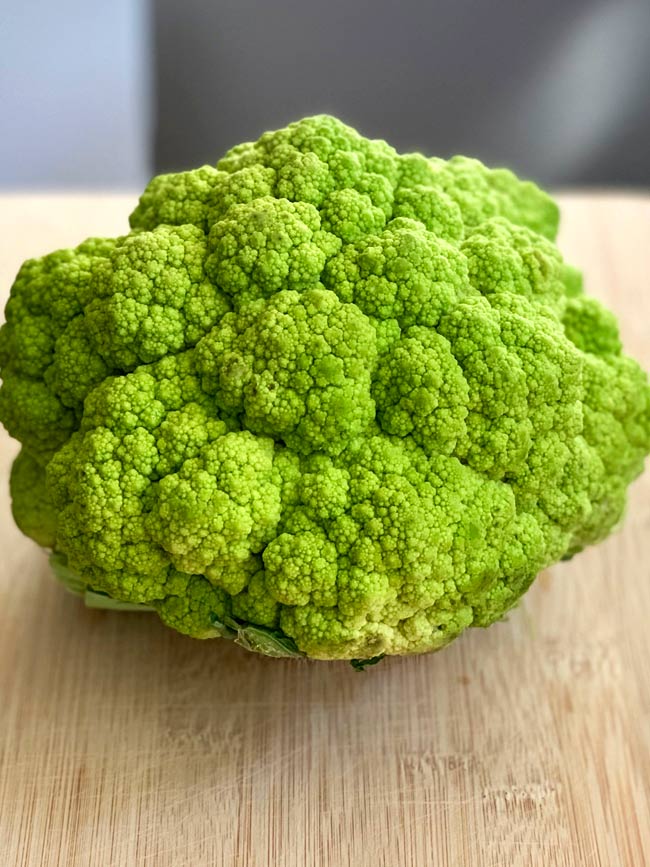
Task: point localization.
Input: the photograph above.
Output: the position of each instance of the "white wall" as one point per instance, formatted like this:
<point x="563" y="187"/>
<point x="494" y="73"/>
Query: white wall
<point x="74" y="93"/>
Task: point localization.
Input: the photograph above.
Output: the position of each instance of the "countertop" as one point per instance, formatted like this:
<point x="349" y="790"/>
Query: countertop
<point x="123" y="743"/>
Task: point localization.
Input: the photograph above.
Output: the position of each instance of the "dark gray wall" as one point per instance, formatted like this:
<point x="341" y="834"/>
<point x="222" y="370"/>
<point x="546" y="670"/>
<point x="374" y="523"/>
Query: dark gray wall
<point x="560" y="90"/>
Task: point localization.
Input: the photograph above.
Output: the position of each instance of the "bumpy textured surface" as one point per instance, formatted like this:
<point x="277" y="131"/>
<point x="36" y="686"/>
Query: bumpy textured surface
<point x="324" y="398"/>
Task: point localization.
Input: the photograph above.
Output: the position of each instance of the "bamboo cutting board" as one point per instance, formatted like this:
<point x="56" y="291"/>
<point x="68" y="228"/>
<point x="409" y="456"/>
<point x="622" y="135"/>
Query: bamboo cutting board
<point x="122" y="743"/>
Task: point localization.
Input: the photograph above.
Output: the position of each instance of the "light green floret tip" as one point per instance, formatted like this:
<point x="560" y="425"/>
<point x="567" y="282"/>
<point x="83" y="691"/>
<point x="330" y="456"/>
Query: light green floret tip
<point x="324" y="400"/>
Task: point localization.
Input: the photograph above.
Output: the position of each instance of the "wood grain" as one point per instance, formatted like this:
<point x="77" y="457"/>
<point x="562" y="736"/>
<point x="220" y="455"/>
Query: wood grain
<point x="123" y="743"/>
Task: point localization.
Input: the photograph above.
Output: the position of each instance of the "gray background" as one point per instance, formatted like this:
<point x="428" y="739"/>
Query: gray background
<point x="102" y="94"/>
<point x="558" y="89"/>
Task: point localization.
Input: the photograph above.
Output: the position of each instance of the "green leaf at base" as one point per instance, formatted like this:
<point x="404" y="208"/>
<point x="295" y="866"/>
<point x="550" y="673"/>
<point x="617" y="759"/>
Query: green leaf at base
<point x="362" y="664"/>
<point x="259" y="639"/>
<point x="93" y="599"/>
<point x="70" y="580"/>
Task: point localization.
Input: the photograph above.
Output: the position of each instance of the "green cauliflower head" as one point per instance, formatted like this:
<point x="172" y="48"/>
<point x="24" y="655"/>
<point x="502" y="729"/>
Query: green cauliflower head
<point x="324" y="398"/>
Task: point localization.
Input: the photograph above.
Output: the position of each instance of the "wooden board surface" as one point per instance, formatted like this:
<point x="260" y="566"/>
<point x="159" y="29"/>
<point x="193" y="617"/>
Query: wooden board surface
<point x="122" y="743"/>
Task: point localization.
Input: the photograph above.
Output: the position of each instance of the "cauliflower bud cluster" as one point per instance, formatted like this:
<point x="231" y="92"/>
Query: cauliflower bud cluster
<point x="323" y="398"/>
